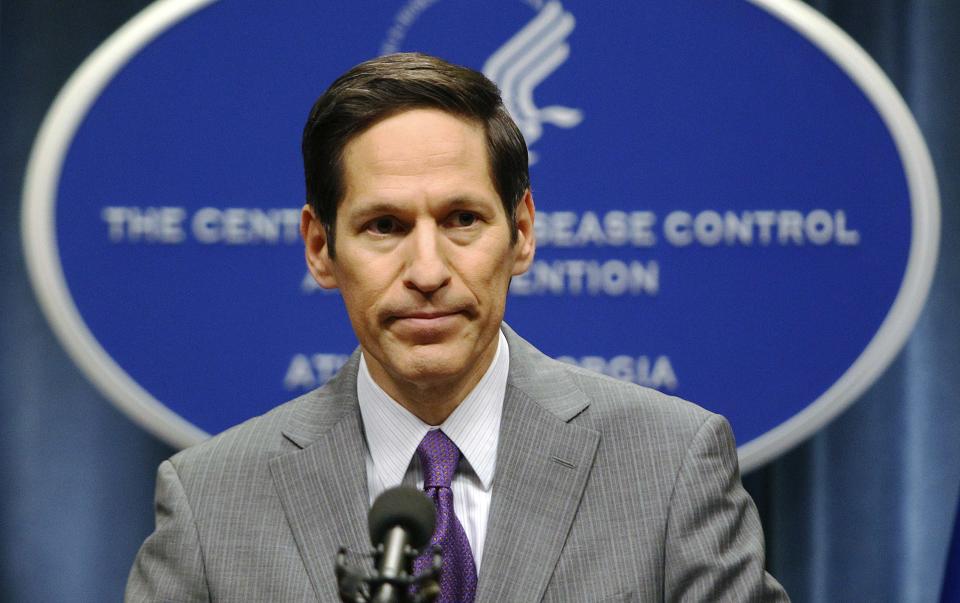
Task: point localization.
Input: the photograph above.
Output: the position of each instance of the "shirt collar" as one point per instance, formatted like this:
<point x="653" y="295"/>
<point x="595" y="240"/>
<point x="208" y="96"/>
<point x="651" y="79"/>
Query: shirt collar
<point x="393" y="433"/>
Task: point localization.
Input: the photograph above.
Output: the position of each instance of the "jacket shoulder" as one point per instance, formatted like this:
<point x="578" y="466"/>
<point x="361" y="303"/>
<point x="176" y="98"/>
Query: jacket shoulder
<point x="228" y="463"/>
<point x="563" y="388"/>
<point x="614" y="395"/>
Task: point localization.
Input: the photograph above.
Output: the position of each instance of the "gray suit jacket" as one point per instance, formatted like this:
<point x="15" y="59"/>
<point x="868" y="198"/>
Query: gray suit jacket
<point x="604" y="491"/>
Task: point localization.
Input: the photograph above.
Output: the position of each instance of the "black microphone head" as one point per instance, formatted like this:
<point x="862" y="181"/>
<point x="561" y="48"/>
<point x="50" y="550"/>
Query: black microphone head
<point x="406" y="507"/>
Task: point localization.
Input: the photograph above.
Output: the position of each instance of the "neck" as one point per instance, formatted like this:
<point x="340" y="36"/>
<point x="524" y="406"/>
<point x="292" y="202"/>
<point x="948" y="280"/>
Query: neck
<point x="432" y="404"/>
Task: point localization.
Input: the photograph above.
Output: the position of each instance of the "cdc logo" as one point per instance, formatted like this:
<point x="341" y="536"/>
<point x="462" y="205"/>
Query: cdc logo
<point x="734" y="204"/>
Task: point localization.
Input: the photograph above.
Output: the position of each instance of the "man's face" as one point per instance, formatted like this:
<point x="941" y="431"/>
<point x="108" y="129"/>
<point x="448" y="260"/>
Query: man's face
<point x="423" y="251"/>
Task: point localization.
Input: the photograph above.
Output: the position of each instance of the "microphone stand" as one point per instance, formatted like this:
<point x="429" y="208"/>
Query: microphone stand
<point x="395" y="581"/>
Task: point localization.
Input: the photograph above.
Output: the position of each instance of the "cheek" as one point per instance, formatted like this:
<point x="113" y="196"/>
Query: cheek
<point x="492" y="263"/>
<point x="356" y="294"/>
<point x="502" y="270"/>
<point x="489" y="282"/>
<point x="367" y="290"/>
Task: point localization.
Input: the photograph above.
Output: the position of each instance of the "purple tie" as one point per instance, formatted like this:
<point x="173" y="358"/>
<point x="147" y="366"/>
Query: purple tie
<point x="458" y="580"/>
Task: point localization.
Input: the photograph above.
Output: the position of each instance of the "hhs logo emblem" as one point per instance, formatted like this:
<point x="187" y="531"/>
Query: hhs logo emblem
<point x="524" y="61"/>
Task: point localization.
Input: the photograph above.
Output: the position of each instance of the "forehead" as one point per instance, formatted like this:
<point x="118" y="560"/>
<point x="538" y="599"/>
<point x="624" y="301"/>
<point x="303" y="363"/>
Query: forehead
<point x="416" y="149"/>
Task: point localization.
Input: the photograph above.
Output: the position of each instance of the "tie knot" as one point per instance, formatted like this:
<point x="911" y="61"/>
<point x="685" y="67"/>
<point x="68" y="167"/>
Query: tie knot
<point x="438" y="457"/>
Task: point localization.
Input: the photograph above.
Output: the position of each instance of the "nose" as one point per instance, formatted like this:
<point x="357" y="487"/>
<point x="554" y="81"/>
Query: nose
<point x="426" y="265"/>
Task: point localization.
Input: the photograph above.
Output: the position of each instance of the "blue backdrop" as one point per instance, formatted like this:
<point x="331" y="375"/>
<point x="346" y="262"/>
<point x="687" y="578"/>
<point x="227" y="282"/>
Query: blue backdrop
<point x="860" y="512"/>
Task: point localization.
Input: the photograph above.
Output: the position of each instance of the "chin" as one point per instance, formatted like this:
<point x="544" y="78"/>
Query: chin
<point x="438" y="366"/>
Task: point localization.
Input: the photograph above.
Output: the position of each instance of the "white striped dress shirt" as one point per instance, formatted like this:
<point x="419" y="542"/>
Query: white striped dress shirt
<point x="393" y="433"/>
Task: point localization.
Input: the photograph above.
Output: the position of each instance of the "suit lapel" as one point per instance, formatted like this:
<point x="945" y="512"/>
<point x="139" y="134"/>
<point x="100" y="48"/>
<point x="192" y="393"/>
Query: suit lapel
<point x="543" y="462"/>
<point x="323" y="487"/>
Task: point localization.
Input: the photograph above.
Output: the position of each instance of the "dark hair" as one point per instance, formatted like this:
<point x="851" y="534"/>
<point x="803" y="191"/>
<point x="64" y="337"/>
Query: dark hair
<point x="391" y="84"/>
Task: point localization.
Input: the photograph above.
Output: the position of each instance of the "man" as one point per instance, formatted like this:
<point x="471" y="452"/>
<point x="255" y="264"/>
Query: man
<point x="561" y="484"/>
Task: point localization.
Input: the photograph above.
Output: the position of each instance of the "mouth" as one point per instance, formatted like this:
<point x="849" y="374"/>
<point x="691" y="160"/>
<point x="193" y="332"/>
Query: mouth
<point x="427" y="315"/>
<point x="426" y="323"/>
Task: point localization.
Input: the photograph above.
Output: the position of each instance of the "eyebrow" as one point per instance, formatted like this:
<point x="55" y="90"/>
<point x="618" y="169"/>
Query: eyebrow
<point x="383" y="207"/>
<point x="374" y="208"/>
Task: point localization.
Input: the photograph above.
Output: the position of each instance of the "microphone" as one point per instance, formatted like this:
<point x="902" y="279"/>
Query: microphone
<point x="400" y="519"/>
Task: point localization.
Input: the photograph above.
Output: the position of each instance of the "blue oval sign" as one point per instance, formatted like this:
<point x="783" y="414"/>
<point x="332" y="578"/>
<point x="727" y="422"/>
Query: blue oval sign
<point x="734" y="204"/>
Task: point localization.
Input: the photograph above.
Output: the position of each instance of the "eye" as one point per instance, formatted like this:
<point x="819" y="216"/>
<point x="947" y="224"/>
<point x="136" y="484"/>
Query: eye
<point x="464" y="219"/>
<point x="383" y="225"/>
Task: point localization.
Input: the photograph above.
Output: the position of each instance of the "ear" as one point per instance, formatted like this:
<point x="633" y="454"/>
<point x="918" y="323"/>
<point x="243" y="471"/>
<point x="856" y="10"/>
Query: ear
<point x="526" y="244"/>
<point x="315" y="248"/>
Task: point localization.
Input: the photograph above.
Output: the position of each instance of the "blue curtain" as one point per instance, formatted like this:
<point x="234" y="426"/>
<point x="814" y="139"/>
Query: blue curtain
<point x="860" y="512"/>
<point x="950" y="592"/>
